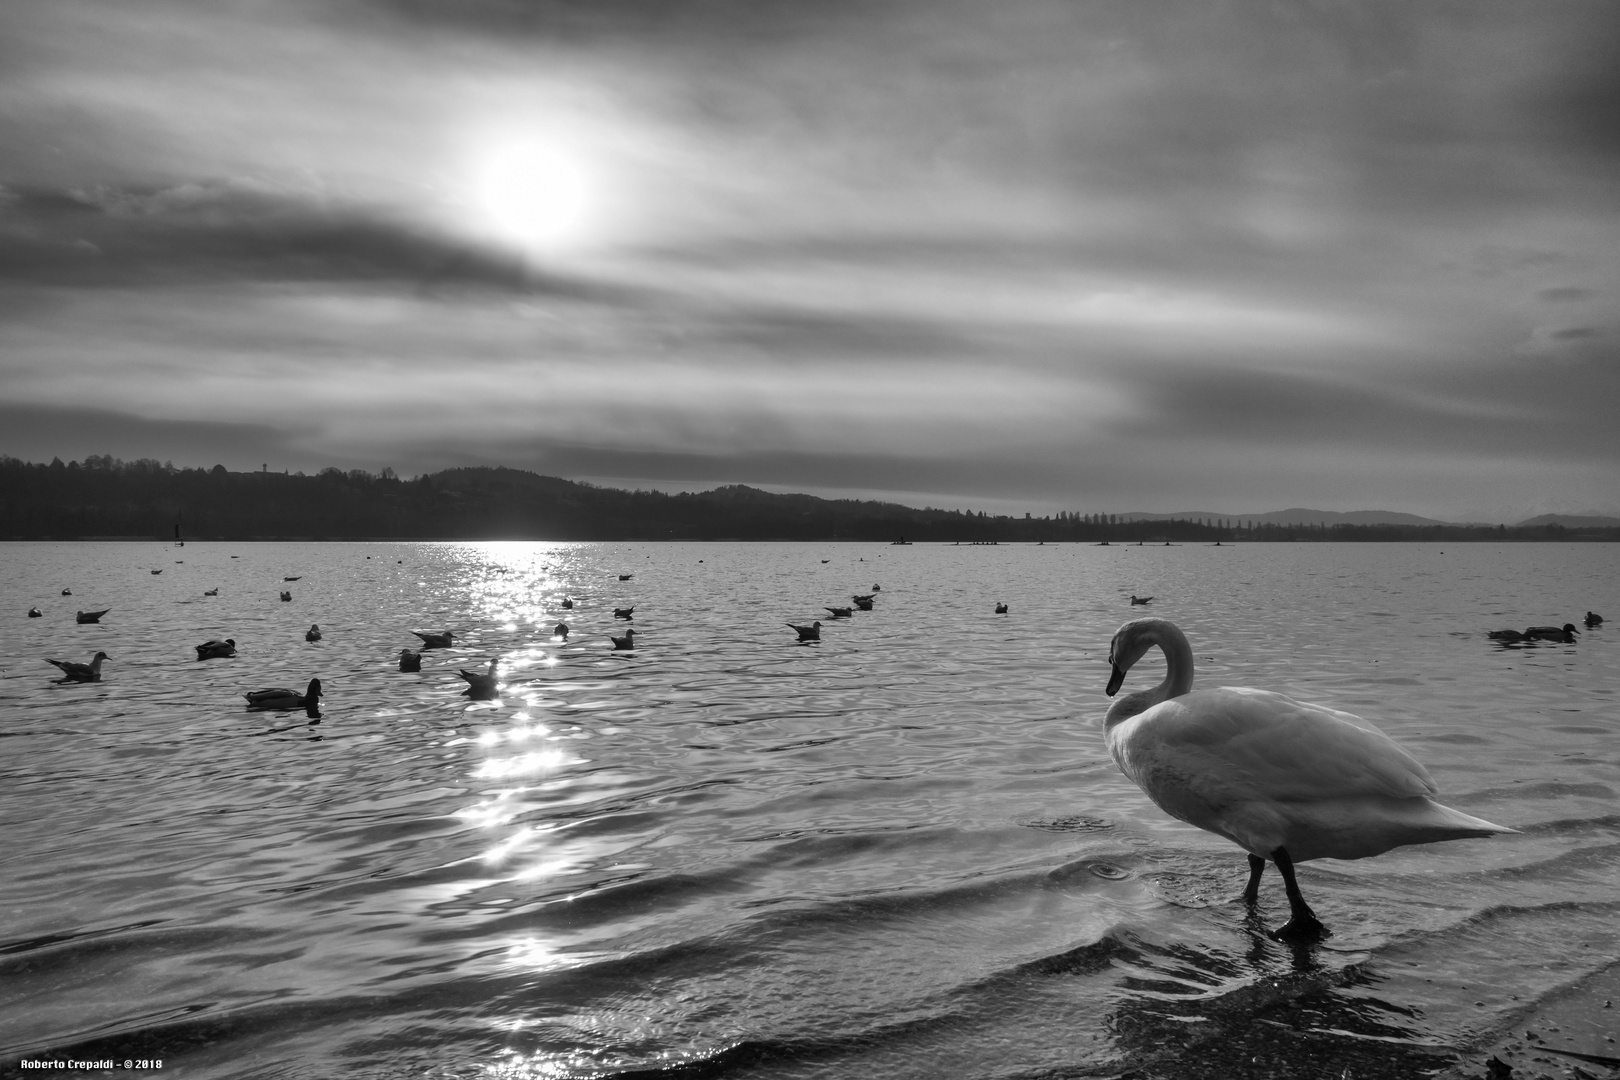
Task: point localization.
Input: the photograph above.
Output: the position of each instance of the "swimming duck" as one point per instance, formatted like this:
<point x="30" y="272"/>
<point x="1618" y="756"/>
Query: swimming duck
<point x="1001" y="609"/>
<point x="410" y="661"/>
<point x="842" y="612"/>
<point x="1566" y="632"/>
<point x="624" y="613"/>
<point x="313" y="633"/>
<point x="211" y="592"/>
<point x="1593" y="619"/>
<point x="808" y="633"/>
<point x="625" y="577"/>
<point x="281" y="699"/>
<point x="74" y="672"/>
<point x="560" y="631"/>
<point x="285" y="595"/>
<point x="293" y="578"/>
<point x="480" y="685"/>
<point x="216" y="649"/>
<point x="157" y="571"/>
<point x="1285" y="780"/>
<point x="626" y="642"/>
<point x="1141" y="599"/>
<point x="863" y="602"/>
<point x="567" y="604"/>
<point x="91" y="616"/>
<point x="877" y="588"/>
<point x="435" y="641"/>
<point x="35" y="613"/>
<point x="67" y="592"/>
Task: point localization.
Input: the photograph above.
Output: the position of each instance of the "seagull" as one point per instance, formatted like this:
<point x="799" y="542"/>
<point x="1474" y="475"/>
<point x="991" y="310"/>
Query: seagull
<point x="281" y="699"/>
<point x="1141" y="599"/>
<point x="1285" y="780"/>
<point x="480" y="685"/>
<point x="313" y="633"/>
<point x="435" y="641"/>
<point x="216" y="649"/>
<point x="624" y="612"/>
<point x="91" y="616"/>
<point x="808" y="633"/>
<point x="410" y="661"/>
<point x="560" y="630"/>
<point x="626" y="642"/>
<point x="863" y="602"/>
<point x="1001" y="609"/>
<point x="72" y="672"/>
<point x="841" y="612"/>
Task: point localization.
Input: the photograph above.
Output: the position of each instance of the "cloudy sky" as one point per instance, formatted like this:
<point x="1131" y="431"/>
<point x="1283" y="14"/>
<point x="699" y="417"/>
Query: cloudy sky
<point x="1144" y="255"/>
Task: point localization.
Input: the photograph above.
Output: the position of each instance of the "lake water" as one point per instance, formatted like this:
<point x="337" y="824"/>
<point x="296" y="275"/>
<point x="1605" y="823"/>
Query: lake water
<point x="901" y="851"/>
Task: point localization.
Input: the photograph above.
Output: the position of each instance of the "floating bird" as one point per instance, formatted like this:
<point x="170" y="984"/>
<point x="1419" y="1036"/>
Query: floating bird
<point x="72" y="672"/>
<point x="35" y="613"/>
<point x="1285" y="780"/>
<point x="285" y="595"/>
<point x="877" y="588"/>
<point x="91" y="616"/>
<point x="825" y="561"/>
<point x="480" y="685"/>
<point x="560" y="630"/>
<point x="435" y="641"/>
<point x="567" y="604"/>
<point x="216" y="649"/>
<point x="626" y="642"/>
<point x="625" y="577"/>
<point x="211" y="592"/>
<point x="281" y="699"/>
<point x="313" y="633"/>
<point x="410" y="661"/>
<point x="1001" y="609"/>
<point x="863" y="602"/>
<point x="293" y="578"/>
<point x="157" y="571"/>
<point x="1593" y="619"/>
<point x="1566" y="632"/>
<point x="1141" y="599"/>
<point x="841" y="612"/>
<point x="624" y="612"/>
<point x="67" y="592"/>
<point x="808" y="633"/>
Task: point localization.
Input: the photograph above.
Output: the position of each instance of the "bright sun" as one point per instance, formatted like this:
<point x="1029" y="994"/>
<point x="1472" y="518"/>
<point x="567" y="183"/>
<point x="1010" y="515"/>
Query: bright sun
<point x="535" y="195"/>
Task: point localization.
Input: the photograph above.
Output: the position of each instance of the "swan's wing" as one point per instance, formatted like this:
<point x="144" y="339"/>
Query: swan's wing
<point x="1240" y="742"/>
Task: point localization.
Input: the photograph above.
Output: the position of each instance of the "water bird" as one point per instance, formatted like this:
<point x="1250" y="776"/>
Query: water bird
<point x="295" y="577"/>
<point x="560" y="631"/>
<point x="435" y="641"/>
<point x="410" y="661"/>
<point x="1566" y="632"/>
<point x="281" y="699"/>
<point x="67" y="592"/>
<point x="625" y="577"/>
<point x="1001" y="609"/>
<point x="877" y="588"/>
<point x="75" y="672"/>
<point x="1285" y="780"/>
<point x="624" y="612"/>
<point x="1593" y="619"/>
<point x="841" y="612"/>
<point x="825" y="561"/>
<point x="567" y="604"/>
<point x="216" y="649"/>
<point x="863" y="602"/>
<point x="285" y="595"/>
<point x="91" y="616"/>
<point x="1141" y="599"/>
<point x="35" y="613"/>
<point x="808" y="633"/>
<point x="157" y="571"/>
<point x="313" y="633"/>
<point x="626" y="642"/>
<point x="480" y="685"/>
<point x="211" y="592"/>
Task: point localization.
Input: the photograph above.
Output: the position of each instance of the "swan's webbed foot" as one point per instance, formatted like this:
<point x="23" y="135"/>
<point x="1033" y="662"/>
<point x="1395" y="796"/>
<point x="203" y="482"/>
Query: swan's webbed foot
<point x="1302" y="922"/>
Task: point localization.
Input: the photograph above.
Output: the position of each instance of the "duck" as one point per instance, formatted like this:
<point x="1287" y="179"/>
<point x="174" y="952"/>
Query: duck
<point x="1566" y="632"/>
<point x="74" y="672"/>
<point x="1287" y="781"/>
<point x="480" y="685"/>
<point x="281" y="699"/>
<point x="90" y="616"/>
<point x="842" y="612"/>
<point x="440" y="640"/>
<point x="560" y="631"/>
<point x="1140" y="599"/>
<point x="877" y="588"/>
<point x="313" y="633"/>
<point x="624" y="613"/>
<point x="568" y="605"/>
<point x="863" y="602"/>
<point x="626" y="577"/>
<point x="295" y="577"/>
<point x="216" y="649"/>
<point x="1001" y="609"/>
<point x="67" y="592"/>
<point x="35" y="613"/>
<point x="1593" y="619"/>
<point x="157" y="571"/>
<point x="626" y="642"/>
<point x="211" y="592"/>
<point x="410" y="661"/>
<point x="808" y="633"/>
<point x="285" y="595"/>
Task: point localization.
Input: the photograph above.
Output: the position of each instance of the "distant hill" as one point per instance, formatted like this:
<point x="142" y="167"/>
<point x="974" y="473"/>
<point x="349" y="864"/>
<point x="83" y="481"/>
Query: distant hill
<point x="1571" y="521"/>
<point x="1299" y="516"/>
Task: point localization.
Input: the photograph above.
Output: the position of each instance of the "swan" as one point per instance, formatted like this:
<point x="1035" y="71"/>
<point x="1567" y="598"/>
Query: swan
<point x="624" y="643"/>
<point x="842" y="612"/>
<point x="808" y="633"/>
<point x="1140" y="599"/>
<point x="435" y="641"/>
<point x="1285" y="780"/>
<point x="74" y="672"/>
<point x="1566" y="632"/>
<point x="280" y="699"/>
<point x="480" y="685"/>
<point x="313" y="633"/>
<point x="216" y="649"/>
<point x="1593" y="619"/>
<point x="410" y="661"/>
<point x="624" y="613"/>
<point x="91" y="616"/>
<point x="1001" y="609"/>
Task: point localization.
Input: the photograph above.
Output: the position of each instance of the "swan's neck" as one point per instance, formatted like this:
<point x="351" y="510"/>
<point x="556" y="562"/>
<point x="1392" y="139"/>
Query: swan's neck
<point x="1178" y="677"/>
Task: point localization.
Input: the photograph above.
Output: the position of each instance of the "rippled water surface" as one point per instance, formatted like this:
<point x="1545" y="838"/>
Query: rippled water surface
<point x="901" y="851"/>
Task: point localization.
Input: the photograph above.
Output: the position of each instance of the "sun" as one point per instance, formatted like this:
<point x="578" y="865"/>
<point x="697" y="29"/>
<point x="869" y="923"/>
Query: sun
<point x="535" y="195"/>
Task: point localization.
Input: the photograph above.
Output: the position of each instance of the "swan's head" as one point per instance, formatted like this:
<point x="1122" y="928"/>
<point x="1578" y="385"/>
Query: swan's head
<point x="1131" y="642"/>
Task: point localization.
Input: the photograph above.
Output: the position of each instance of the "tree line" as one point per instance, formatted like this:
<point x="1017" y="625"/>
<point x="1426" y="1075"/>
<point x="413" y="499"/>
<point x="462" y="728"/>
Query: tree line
<point x="103" y="497"/>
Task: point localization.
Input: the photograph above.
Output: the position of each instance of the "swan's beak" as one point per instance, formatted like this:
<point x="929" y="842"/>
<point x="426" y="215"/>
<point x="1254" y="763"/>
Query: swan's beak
<point x="1115" y="681"/>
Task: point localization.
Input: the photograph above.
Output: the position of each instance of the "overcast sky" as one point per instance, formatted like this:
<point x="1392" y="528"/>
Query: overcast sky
<point x="1010" y="255"/>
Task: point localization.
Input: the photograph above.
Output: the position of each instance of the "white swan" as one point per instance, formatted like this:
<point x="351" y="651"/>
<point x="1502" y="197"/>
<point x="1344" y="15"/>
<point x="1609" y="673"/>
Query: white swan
<point x="1285" y="780"/>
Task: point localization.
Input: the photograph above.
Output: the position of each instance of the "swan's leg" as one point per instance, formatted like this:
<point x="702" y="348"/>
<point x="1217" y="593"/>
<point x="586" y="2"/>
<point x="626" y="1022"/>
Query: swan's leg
<point x="1257" y="866"/>
<point x="1302" y="921"/>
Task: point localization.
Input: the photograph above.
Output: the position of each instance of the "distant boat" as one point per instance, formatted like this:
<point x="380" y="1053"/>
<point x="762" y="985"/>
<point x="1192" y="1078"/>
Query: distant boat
<point x="902" y="542"/>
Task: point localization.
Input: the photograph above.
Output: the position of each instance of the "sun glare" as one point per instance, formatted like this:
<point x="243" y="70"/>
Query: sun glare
<point x="534" y="195"/>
